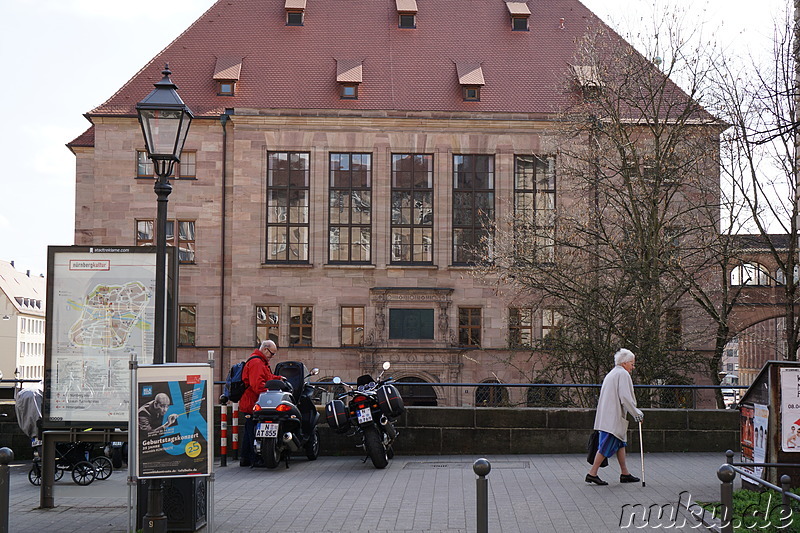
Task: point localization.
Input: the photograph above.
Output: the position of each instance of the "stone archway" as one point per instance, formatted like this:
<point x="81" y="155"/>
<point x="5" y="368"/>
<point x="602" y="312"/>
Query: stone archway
<point x="416" y="395"/>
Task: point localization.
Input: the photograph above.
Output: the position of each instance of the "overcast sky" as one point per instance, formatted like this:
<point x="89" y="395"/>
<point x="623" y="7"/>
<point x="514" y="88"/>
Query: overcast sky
<point x="65" y="57"/>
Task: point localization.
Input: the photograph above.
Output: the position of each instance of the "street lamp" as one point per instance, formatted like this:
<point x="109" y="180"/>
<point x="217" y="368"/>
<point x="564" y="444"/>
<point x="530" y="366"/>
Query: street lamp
<point x="165" y="121"/>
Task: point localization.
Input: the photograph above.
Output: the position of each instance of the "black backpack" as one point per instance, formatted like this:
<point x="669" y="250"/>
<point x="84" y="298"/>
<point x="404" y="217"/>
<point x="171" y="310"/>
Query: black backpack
<point x="234" y="385"/>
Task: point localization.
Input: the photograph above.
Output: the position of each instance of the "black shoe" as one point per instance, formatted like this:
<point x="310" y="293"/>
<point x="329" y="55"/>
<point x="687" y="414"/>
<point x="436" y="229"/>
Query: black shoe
<point x="244" y="463"/>
<point x="595" y="479"/>
<point x="628" y="478"/>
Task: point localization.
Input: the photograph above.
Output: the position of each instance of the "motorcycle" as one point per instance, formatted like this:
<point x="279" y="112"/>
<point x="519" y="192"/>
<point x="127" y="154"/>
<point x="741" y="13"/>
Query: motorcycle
<point x="286" y="417"/>
<point x="117" y="451"/>
<point x="372" y="409"/>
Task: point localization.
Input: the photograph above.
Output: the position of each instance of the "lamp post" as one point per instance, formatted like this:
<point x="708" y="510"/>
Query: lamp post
<point x="165" y="121"/>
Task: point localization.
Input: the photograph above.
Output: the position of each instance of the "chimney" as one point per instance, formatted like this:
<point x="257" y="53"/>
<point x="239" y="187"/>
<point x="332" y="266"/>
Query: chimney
<point x="12" y="264"/>
<point x="28" y="273"/>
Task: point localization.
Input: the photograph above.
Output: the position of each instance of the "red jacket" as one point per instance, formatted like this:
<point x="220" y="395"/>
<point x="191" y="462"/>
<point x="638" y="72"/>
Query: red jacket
<point x="255" y="375"/>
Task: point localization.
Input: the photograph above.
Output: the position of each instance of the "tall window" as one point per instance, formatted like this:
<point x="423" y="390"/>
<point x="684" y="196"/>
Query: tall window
<point x="520" y="327"/>
<point x="301" y="322"/>
<point x="469" y="326"/>
<point x="287" y="207"/>
<point x="187" y="325"/>
<point x="350" y="208"/>
<point x="534" y="206"/>
<point x="267" y="323"/>
<point x="673" y="329"/>
<point x="186" y="169"/>
<point x="412" y="208"/>
<point x="473" y="207"/>
<point x="551" y="321"/>
<point x="352" y="326"/>
<point x="184" y="239"/>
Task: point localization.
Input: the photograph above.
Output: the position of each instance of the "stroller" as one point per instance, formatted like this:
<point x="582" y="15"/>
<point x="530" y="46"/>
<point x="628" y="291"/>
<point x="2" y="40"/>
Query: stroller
<point x="78" y="457"/>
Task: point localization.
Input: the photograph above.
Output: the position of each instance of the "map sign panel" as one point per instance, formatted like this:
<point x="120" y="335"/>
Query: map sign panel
<point x="101" y="308"/>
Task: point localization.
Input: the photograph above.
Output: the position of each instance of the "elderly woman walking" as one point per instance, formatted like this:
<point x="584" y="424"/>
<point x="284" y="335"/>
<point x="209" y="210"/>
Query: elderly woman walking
<point x="616" y="400"/>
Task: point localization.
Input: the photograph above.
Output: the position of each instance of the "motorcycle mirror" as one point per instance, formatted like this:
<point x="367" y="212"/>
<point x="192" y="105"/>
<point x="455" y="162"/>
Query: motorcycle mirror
<point x="337" y="380"/>
<point x="314" y="371"/>
<point x="386" y="365"/>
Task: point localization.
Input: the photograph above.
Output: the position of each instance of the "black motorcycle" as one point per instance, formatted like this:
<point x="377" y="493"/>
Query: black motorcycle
<point x="370" y="413"/>
<point x="286" y="416"/>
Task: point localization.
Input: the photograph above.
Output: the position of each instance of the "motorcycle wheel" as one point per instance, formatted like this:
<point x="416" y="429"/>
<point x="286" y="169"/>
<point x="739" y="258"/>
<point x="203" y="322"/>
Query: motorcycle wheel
<point x="375" y="448"/>
<point x="270" y="453"/>
<point x="116" y="457"/>
<point x="312" y="446"/>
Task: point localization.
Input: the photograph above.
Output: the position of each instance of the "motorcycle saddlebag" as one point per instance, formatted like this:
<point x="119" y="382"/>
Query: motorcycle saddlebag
<point x="390" y="401"/>
<point x="336" y="415"/>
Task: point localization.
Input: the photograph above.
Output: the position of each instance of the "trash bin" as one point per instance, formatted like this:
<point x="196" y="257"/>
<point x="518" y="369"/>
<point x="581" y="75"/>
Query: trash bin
<point x="185" y="503"/>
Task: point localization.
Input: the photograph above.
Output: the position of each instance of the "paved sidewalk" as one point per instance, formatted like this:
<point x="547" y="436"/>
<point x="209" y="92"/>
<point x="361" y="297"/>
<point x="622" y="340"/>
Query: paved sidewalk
<point x="527" y="493"/>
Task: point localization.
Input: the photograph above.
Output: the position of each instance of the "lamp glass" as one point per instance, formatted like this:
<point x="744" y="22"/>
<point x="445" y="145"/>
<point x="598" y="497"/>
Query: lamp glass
<point x="164" y="131"/>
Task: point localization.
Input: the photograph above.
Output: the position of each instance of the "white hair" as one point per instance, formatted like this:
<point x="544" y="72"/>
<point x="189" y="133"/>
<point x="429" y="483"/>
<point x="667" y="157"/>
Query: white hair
<point x="268" y="345"/>
<point x="623" y="356"/>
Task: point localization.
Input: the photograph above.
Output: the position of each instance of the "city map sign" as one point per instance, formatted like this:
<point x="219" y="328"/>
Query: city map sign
<point x="100" y="313"/>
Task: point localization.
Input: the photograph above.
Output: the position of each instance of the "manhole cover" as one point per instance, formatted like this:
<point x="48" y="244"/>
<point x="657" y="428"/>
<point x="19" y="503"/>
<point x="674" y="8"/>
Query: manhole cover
<point x="417" y="465"/>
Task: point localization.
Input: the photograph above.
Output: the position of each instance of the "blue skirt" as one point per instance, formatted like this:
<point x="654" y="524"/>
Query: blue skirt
<point x="608" y="444"/>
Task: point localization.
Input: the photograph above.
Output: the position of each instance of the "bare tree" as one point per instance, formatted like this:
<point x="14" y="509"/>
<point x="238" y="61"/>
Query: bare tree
<point x="759" y="100"/>
<point x="630" y="255"/>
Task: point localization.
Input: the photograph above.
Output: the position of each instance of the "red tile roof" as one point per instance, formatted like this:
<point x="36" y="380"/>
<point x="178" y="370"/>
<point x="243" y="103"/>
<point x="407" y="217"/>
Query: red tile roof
<point x="85" y="139"/>
<point x="295" y="67"/>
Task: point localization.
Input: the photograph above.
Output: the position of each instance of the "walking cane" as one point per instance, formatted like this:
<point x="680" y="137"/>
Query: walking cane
<point x="641" y="450"/>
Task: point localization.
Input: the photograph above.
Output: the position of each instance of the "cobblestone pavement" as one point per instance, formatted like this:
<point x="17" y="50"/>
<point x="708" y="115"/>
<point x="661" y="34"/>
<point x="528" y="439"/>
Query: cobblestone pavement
<point x="527" y="493"/>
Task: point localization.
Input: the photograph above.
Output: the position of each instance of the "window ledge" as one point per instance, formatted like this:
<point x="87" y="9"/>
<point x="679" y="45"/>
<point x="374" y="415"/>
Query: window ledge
<point x="395" y="266"/>
<point x="349" y="266"/>
<point x="461" y="267"/>
<point x="287" y="265"/>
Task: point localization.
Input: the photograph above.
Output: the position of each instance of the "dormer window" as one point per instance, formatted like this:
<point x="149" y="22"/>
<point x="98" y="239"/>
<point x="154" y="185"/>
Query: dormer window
<point x="519" y="12"/>
<point x="349" y="91"/>
<point x="226" y="88"/>
<point x="472" y="93"/>
<point x="470" y="77"/>
<point x="295" y="9"/>
<point x="588" y="79"/>
<point x="407" y="11"/>
<point x="408" y="21"/>
<point x="294" y="18"/>
<point x="226" y="74"/>
<point x="348" y="76"/>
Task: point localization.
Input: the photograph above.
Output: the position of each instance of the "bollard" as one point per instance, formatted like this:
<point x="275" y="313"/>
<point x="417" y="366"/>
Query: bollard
<point x="482" y="467"/>
<point x="6" y="456"/>
<point x="726" y="475"/>
<point x="786" y="513"/>
<point x="729" y="457"/>
<point x="235" y="431"/>
<point x="223" y="434"/>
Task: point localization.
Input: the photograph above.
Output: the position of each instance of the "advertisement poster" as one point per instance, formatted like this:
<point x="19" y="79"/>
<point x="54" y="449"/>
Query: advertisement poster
<point x="790" y="409"/>
<point x="174" y="418"/>
<point x="760" y="436"/>
<point x="746" y="425"/>
<point x="100" y="311"/>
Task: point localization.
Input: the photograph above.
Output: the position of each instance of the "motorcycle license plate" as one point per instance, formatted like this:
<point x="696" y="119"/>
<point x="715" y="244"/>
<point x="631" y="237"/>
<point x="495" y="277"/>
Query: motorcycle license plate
<point x="364" y="415"/>
<point x="269" y="431"/>
<point x="117" y="444"/>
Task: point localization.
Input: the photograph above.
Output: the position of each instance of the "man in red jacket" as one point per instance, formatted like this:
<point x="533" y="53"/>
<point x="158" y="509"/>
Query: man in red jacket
<point x="255" y="375"/>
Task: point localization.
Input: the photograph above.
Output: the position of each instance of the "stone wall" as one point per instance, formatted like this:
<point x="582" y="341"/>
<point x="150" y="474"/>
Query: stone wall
<point x="485" y="431"/>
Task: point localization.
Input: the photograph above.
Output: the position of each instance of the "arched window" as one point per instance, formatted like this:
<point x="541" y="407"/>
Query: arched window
<point x="750" y="274"/>
<point x="491" y="396"/>
<point x="543" y="396"/>
<point x="780" y="276"/>
<point x="416" y="394"/>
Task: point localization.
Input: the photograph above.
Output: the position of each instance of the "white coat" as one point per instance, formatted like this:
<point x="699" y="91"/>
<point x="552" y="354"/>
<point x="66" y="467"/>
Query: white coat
<point x="616" y="400"/>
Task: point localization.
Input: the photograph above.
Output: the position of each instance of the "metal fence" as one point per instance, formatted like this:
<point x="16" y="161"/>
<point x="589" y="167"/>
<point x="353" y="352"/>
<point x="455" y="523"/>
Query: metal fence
<point x="790" y="502"/>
